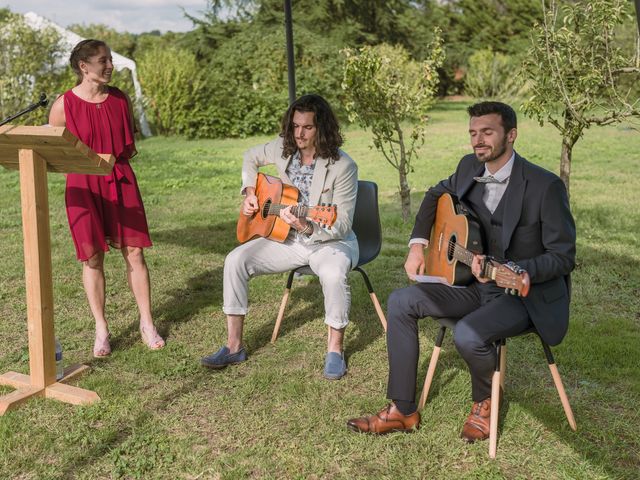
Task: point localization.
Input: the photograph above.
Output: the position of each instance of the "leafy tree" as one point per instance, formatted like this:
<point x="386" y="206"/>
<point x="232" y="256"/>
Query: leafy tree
<point x="575" y="68"/>
<point x="502" y="26"/>
<point x="384" y="90"/>
<point x="29" y="65"/>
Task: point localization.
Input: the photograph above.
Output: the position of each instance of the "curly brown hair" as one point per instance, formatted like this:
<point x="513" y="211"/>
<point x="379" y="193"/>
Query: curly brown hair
<point x="82" y="52"/>
<point x="328" y="135"/>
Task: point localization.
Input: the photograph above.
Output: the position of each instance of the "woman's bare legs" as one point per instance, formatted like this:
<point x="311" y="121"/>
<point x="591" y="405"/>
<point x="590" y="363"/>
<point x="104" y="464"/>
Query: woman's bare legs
<point x="93" y="281"/>
<point x="138" y="278"/>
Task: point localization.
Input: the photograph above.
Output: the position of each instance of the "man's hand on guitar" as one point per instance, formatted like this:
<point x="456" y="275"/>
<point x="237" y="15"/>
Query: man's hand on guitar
<point x="250" y="204"/>
<point x="477" y="266"/>
<point x="414" y="265"/>
<point x="290" y="219"/>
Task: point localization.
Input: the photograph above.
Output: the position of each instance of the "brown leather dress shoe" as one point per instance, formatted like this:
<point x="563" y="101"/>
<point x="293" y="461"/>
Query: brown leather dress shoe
<point x="476" y="427"/>
<point x="387" y="420"/>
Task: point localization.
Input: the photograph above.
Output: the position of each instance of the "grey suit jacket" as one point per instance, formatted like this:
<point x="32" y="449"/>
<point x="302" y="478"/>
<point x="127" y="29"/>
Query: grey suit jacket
<point x="334" y="182"/>
<point x="538" y="233"/>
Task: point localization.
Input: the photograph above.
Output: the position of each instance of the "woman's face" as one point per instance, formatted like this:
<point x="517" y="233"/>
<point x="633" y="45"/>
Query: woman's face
<point x="99" y="67"/>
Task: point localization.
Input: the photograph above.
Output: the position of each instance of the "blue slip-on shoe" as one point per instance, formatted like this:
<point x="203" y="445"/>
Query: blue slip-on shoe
<point x="334" y="366"/>
<point x="222" y="358"/>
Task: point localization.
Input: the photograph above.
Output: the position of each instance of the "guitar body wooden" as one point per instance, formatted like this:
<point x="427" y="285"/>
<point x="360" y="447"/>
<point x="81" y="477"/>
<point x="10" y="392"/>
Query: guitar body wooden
<point x="450" y="228"/>
<point x="269" y="190"/>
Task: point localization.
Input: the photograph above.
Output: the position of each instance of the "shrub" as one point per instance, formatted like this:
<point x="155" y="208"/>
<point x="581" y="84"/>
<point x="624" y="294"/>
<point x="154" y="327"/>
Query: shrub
<point x="172" y="83"/>
<point x="493" y="75"/>
<point x="30" y="63"/>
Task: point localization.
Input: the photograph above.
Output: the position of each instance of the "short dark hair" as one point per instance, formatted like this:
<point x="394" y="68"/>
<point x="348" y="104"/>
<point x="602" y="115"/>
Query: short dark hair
<point x="328" y="135"/>
<point x="82" y="52"/>
<point x="507" y="114"/>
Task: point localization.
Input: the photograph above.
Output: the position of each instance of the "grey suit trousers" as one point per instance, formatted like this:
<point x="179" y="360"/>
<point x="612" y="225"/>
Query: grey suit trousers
<point x="486" y="315"/>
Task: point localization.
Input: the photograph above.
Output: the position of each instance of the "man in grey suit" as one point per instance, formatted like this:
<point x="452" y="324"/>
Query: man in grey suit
<point x="523" y="211"/>
<point x="307" y="155"/>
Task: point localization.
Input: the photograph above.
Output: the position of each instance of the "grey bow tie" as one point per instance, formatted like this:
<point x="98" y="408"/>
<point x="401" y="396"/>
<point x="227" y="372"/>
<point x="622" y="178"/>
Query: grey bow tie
<point x="489" y="179"/>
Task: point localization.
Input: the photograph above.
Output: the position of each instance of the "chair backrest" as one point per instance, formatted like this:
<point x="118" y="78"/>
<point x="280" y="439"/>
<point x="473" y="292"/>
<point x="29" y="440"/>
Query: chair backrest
<point x="366" y="222"/>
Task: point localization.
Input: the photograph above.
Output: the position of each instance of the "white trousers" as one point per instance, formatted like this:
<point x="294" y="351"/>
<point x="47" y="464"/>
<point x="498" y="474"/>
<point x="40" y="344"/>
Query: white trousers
<point x="330" y="261"/>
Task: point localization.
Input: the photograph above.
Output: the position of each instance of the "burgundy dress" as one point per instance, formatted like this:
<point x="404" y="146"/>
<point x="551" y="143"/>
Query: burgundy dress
<point x="104" y="210"/>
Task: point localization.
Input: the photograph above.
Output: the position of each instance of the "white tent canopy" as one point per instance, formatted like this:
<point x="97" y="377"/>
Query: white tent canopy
<point x="70" y="39"/>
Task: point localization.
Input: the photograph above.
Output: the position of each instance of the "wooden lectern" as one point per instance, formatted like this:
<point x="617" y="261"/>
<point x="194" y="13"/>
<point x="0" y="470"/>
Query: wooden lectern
<point x="34" y="151"/>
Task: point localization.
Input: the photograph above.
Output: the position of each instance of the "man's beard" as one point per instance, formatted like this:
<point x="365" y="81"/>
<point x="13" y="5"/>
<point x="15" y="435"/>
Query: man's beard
<point x="493" y="154"/>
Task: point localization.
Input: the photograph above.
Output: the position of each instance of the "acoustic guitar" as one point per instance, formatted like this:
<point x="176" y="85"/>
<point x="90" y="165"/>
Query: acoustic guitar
<point x="273" y="196"/>
<point x="455" y="238"/>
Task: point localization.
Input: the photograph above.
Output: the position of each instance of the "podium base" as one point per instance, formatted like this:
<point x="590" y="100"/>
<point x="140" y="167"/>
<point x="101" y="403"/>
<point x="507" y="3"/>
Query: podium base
<point x="58" y="390"/>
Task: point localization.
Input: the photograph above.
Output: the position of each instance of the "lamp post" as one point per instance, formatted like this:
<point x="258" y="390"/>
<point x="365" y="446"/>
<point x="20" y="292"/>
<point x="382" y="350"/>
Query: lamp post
<point x="291" y="67"/>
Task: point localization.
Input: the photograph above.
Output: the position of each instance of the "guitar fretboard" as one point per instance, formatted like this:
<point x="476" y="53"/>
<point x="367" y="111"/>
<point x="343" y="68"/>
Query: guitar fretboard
<point x="299" y="211"/>
<point x="465" y="256"/>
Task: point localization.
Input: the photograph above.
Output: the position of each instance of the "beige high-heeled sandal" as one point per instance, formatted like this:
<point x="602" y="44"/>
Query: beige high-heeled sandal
<point x="152" y="340"/>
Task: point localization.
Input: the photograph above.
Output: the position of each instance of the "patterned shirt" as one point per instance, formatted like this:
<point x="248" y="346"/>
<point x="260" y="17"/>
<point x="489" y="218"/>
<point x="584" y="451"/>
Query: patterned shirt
<point x="301" y="176"/>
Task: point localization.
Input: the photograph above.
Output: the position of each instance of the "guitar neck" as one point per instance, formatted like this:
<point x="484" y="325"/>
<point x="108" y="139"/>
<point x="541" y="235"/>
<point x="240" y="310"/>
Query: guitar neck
<point x="299" y="211"/>
<point x="465" y="256"/>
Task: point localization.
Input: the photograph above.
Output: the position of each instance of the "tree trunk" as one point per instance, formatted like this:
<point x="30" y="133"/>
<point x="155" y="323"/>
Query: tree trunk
<point x="403" y="170"/>
<point x="405" y="193"/>
<point x="565" y="161"/>
<point x="571" y="132"/>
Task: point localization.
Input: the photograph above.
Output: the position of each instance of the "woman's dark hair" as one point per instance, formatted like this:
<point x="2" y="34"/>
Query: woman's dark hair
<point x="507" y="114"/>
<point x="328" y="136"/>
<point x="82" y="52"/>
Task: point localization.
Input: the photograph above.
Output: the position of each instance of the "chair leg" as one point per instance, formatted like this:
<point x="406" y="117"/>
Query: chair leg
<point x="503" y="363"/>
<point x="559" y="387"/>
<point x="495" y="404"/>
<point x="283" y="305"/>
<point x="432" y="367"/>
<point x="374" y="298"/>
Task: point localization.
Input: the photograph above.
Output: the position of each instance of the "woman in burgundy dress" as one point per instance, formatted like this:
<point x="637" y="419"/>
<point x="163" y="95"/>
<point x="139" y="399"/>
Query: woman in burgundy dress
<point x="105" y="210"/>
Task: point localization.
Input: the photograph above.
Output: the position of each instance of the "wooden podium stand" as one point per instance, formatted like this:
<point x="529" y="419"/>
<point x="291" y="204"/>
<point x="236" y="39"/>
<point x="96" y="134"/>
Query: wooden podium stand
<point x="34" y="151"/>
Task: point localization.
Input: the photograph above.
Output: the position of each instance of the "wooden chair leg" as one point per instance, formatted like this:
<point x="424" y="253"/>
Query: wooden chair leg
<point x="559" y="386"/>
<point x="495" y="403"/>
<point x="495" y="412"/>
<point x="376" y="304"/>
<point x="429" y="378"/>
<point x="563" y="396"/>
<point x="503" y="363"/>
<point x="283" y="305"/>
<point x="432" y="367"/>
<point x="374" y="298"/>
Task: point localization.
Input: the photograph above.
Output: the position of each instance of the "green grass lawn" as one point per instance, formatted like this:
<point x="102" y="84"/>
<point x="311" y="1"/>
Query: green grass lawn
<point x="163" y="416"/>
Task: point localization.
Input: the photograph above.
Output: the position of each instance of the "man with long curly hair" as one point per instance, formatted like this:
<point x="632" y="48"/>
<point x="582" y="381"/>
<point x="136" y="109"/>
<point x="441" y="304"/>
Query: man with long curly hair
<point x="307" y="155"/>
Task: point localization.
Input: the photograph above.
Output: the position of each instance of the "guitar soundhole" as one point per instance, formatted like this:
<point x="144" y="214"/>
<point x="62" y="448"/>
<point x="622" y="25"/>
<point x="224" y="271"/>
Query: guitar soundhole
<point x="451" y="248"/>
<point x="266" y="207"/>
